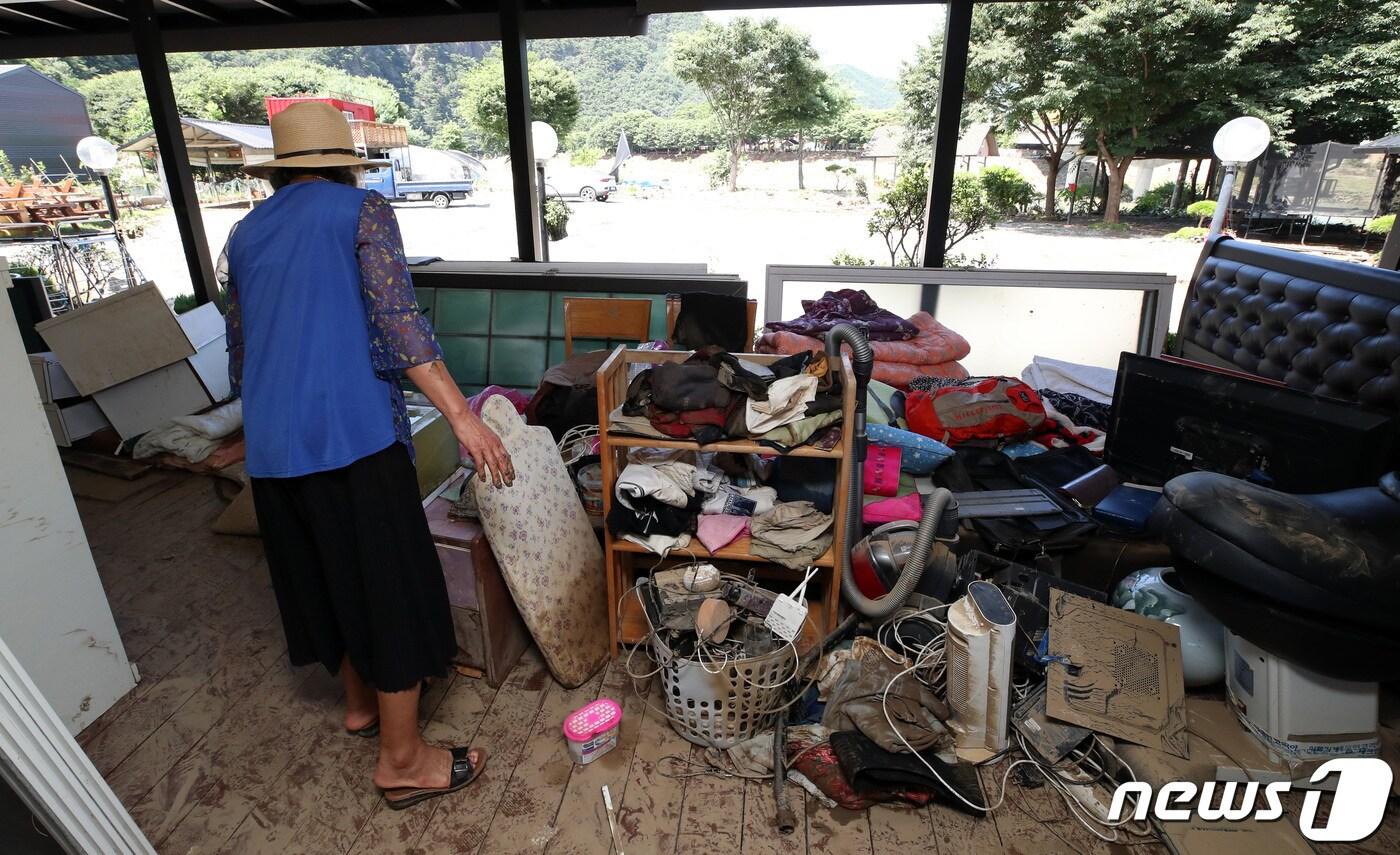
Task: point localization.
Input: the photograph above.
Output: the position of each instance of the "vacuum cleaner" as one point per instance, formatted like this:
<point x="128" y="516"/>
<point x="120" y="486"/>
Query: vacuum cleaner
<point x="882" y="570"/>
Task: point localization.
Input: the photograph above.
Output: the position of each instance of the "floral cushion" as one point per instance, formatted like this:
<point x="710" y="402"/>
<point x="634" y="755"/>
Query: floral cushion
<point x="549" y="555"/>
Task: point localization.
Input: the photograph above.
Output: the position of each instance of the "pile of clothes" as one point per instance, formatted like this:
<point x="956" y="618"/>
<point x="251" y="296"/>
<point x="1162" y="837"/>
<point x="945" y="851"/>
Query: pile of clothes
<point x="904" y="349"/>
<point x="842" y="748"/>
<point x="666" y="497"/>
<point x="715" y="395"/>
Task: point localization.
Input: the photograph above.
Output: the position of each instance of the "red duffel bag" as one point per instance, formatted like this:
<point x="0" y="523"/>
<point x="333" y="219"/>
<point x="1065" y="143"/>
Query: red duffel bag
<point x="990" y="408"/>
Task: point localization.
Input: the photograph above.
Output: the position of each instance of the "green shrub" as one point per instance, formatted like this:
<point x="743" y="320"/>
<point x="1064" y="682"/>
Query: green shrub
<point x="1189" y="233"/>
<point x="862" y="189"/>
<point x="184" y="302"/>
<point x="1381" y="225"/>
<point x="1202" y="210"/>
<point x="1007" y="191"/>
<point x="839" y="172"/>
<point x="1155" y="202"/>
<point x="850" y="259"/>
<point x="715" y="167"/>
<point x="586" y="156"/>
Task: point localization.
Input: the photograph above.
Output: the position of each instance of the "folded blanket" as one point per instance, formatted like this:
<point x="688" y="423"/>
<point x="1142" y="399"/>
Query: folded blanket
<point x="935" y="344"/>
<point x="901" y="374"/>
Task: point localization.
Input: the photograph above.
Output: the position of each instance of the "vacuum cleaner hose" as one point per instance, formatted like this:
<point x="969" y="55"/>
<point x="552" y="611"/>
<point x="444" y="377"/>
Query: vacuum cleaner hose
<point x="862" y="363"/>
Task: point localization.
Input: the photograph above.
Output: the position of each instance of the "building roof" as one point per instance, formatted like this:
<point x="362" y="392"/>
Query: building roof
<point x="1390" y="143"/>
<point x="209" y="133"/>
<point x="979" y="141"/>
<point x="12" y="67"/>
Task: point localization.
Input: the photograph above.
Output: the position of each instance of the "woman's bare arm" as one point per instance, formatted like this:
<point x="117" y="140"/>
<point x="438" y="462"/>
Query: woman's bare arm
<point x="485" y="448"/>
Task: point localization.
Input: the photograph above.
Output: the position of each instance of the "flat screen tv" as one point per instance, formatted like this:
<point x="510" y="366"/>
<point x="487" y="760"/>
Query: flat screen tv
<point x="1170" y="418"/>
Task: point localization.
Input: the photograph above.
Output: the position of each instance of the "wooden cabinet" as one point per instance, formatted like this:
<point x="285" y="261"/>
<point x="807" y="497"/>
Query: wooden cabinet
<point x="627" y="624"/>
<point x="490" y="634"/>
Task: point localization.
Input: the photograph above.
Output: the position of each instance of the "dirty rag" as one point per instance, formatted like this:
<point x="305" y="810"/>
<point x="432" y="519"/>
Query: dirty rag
<point x="787" y="402"/>
<point x="192" y="437"/>
<point x="857" y="702"/>
<point x="793" y="534"/>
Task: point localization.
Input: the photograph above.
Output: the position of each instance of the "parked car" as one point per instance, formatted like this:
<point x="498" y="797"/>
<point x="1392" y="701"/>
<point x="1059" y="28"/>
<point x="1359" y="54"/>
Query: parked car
<point x="576" y="183"/>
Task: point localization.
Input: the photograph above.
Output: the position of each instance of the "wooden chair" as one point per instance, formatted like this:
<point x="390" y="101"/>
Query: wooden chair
<point x="605" y="317"/>
<point x="673" y="310"/>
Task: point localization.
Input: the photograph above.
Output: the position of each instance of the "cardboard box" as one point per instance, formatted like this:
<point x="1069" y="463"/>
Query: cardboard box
<point x="184" y="387"/>
<point x="53" y="382"/>
<point x="117" y="338"/>
<point x="73" y="422"/>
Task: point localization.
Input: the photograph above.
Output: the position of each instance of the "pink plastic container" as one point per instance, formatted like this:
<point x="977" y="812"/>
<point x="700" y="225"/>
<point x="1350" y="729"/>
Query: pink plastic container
<point x="591" y="730"/>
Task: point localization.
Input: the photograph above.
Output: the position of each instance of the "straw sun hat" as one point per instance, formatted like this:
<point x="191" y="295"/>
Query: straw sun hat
<point x="307" y="135"/>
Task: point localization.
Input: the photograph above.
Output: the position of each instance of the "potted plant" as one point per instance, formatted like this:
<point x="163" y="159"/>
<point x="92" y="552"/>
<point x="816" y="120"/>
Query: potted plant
<point x="556" y="218"/>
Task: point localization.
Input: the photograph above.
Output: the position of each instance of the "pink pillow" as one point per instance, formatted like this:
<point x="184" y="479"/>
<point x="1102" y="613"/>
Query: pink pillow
<point x="882" y="470"/>
<point x="908" y="507"/>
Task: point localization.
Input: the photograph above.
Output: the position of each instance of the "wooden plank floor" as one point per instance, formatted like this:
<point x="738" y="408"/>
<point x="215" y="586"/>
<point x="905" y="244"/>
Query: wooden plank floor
<point x="224" y="748"/>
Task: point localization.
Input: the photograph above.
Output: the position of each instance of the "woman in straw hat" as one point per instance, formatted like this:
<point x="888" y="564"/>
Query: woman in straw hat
<point x="322" y="324"/>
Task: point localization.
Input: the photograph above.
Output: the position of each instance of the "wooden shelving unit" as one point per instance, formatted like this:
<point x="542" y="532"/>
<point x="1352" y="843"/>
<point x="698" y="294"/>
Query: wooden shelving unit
<point x="621" y="555"/>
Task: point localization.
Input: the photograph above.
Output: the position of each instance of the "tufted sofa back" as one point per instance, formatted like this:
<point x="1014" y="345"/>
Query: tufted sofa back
<point x="1323" y="326"/>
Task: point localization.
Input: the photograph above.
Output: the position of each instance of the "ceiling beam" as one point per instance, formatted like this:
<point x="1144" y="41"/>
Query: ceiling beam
<point x="199" y="8"/>
<point x="285" y="7"/>
<point x="43" y="15"/>
<point x="110" y="8"/>
<point x="189" y="34"/>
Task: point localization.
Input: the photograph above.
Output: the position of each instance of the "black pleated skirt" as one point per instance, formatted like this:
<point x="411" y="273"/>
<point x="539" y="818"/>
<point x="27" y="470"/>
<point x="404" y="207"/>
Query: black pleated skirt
<point x="355" y="570"/>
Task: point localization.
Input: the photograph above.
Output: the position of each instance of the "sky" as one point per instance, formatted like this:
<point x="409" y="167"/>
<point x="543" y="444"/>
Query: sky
<point x="873" y="38"/>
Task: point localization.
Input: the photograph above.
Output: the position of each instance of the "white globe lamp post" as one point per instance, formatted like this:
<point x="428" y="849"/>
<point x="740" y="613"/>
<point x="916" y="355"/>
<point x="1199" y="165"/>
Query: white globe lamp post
<point x="1238" y="142"/>
<point x="100" y="156"/>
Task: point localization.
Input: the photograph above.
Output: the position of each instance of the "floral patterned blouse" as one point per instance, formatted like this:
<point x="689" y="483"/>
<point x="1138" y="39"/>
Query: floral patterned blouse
<point x="400" y="337"/>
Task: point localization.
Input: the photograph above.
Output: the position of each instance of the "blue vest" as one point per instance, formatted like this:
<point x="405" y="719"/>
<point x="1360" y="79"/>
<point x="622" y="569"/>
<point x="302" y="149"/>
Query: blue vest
<point x="311" y="399"/>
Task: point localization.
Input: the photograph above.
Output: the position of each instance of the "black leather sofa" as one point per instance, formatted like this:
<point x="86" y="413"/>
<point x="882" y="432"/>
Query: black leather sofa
<point x="1319" y="325"/>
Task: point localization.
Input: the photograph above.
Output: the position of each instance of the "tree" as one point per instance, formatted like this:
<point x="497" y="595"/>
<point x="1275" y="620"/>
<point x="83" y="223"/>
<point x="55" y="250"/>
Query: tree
<point x="1008" y="81"/>
<point x="741" y="67"/>
<point x="1147" y="73"/>
<point x="117" y="101"/>
<point x="899" y="219"/>
<point x="918" y="92"/>
<point x="554" y="99"/>
<point x="805" y="98"/>
<point x="1328" y="69"/>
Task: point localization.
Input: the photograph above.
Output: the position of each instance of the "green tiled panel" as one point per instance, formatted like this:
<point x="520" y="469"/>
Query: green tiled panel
<point x="465" y="357"/>
<point x="521" y="313"/>
<point x="517" y="361"/>
<point x="658" y="317"/>
<point x="463" y="311"/>
<point x="425" y="301"/>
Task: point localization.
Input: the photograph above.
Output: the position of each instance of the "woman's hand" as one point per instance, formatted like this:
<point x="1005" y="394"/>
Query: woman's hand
<point x="485" y="448"/>
<point x="480" y="441"/>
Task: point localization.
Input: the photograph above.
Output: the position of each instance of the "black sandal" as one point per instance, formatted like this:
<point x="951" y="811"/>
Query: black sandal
<point x="463" y="773"/>
<point x="369" y="731"/>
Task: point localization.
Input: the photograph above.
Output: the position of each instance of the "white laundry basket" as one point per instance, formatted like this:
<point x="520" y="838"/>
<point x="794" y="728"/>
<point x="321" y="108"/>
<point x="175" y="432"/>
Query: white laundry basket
<point x="720" y="710"/>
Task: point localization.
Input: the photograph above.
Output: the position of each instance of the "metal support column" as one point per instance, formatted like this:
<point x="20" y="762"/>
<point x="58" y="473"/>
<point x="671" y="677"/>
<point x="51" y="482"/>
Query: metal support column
<point x="957" y="34"/>
<point x="1390" y="250"/>
<point x="155" y="75"/>
<point x="522" y="149"/>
